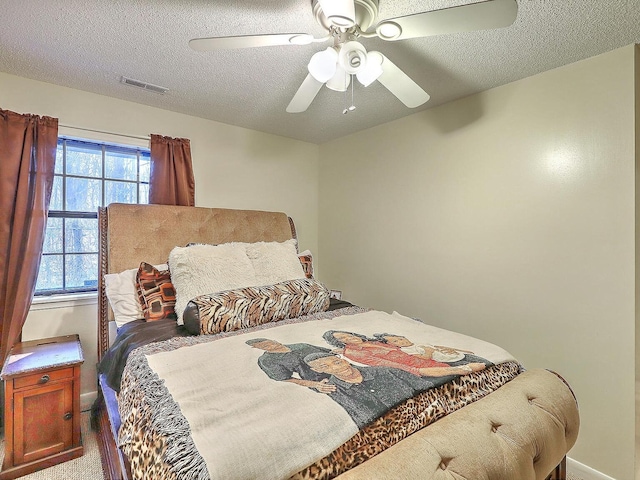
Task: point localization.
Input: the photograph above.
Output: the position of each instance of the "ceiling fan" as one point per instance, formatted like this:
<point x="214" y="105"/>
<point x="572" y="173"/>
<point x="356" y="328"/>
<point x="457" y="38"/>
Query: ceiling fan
<point x="348" y="21"/>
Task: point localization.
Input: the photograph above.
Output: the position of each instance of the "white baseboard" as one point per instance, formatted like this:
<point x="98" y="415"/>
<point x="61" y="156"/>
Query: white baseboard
<point x="86" y="400"/>
<point x="584" y="472"/>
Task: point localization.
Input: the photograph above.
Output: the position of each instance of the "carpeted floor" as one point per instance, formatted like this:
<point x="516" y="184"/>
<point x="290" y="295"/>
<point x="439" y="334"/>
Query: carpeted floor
<point x="87" y="467"/>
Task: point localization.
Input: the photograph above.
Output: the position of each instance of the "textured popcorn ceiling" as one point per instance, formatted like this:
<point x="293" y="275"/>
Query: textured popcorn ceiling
<point x="89" y="44"/>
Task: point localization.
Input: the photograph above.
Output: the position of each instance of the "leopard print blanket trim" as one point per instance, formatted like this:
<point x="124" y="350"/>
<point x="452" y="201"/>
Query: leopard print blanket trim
<point x="409" y="417"/>
<point x="154" y="434"/>
<point x="153" y="427"/>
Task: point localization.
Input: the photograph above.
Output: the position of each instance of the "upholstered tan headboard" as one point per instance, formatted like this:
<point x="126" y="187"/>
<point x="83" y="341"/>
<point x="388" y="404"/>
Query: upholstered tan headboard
<point x="130" y="234"/>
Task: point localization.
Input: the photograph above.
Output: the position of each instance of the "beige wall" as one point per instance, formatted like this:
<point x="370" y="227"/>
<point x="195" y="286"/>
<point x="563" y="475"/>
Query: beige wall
<point x="507" y="215"/>
<point x="234" y="168"/>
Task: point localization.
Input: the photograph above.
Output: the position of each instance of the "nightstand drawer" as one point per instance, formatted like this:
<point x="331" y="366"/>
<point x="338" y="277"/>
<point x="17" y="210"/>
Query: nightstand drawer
<point x="42" y="378"/>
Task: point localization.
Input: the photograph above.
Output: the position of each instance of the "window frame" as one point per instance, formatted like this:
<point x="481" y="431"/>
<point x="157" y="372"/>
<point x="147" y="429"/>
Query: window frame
<point x="139" y="149"/>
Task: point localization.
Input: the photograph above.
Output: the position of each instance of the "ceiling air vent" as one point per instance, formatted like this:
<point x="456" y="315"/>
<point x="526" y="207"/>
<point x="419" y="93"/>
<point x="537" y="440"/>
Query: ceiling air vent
<point x="144" y="85"/>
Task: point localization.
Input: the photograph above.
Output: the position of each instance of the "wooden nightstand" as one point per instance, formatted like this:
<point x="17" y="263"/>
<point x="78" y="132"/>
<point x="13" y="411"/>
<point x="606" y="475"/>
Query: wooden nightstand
<point x="42" y="405"/>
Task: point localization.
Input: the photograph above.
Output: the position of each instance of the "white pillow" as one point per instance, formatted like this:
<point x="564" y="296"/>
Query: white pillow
<point x="275" y="262"/>
<point x="201" y="269"/>
<point x="123" y="297"/>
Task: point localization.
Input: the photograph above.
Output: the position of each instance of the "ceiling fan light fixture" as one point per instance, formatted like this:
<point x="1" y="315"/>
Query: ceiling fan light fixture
<point x="352" y="57"/>
<point x="322" y="65"/>
<point x="373" y="69"/>
<point x="340" y="80"/>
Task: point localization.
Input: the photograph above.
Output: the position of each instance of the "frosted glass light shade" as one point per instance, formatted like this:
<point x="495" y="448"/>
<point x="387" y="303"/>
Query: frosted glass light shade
<point x="352" y="57"/>
<point x="340" y="80"/>
<point x="322" y="65"/>
<point x="372" y="70"/>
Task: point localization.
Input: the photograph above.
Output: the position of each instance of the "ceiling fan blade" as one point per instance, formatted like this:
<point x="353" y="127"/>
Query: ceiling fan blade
<point x="305" y="95"/>
<point x="341" y="13"/>
<point x="464" y="18"/>
<point x="399" y="83"/>
<point x="248" y="41"/>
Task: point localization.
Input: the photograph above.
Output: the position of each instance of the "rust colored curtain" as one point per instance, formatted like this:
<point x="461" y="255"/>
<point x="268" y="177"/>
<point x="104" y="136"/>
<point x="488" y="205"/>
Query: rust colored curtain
<point x="27" y="160"/>
<point x="171" y="180"/>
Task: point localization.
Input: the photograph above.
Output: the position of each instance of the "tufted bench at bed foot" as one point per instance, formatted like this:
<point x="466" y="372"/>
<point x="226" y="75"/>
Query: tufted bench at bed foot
<point x="522" y="431"/>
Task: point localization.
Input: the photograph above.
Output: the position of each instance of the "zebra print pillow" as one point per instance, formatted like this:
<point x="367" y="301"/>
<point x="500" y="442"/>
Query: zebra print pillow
<point x="247" y="307"/>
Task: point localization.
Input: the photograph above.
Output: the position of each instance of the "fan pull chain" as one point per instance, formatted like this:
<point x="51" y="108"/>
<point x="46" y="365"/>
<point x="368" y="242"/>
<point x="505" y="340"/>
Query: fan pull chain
<point x="352" y="107"/>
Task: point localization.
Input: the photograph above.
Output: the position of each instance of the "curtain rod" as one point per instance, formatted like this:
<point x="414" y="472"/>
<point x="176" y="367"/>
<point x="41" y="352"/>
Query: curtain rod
<point x="138" y="137"/>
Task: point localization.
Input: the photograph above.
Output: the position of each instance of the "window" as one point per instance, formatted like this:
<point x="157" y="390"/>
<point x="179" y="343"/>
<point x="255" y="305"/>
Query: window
<point x="87" y="175"/>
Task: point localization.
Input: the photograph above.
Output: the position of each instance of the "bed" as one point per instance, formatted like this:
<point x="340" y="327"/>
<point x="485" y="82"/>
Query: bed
<point x="477" y="416"/>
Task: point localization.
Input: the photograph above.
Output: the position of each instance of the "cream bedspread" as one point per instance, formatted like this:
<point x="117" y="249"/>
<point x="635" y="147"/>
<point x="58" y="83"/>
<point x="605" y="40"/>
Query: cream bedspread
<point x="246" y="425"/>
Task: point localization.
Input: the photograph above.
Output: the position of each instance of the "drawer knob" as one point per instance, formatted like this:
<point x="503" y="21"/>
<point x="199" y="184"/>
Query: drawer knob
<point x="44" y="379"/>
<point x="68" y="415"/>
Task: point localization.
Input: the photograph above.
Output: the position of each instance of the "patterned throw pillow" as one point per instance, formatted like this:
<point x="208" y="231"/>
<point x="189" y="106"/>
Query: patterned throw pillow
<point x="306" y="259"/>
<point x="155" y="293"/>
<point x="247" y="307"/>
